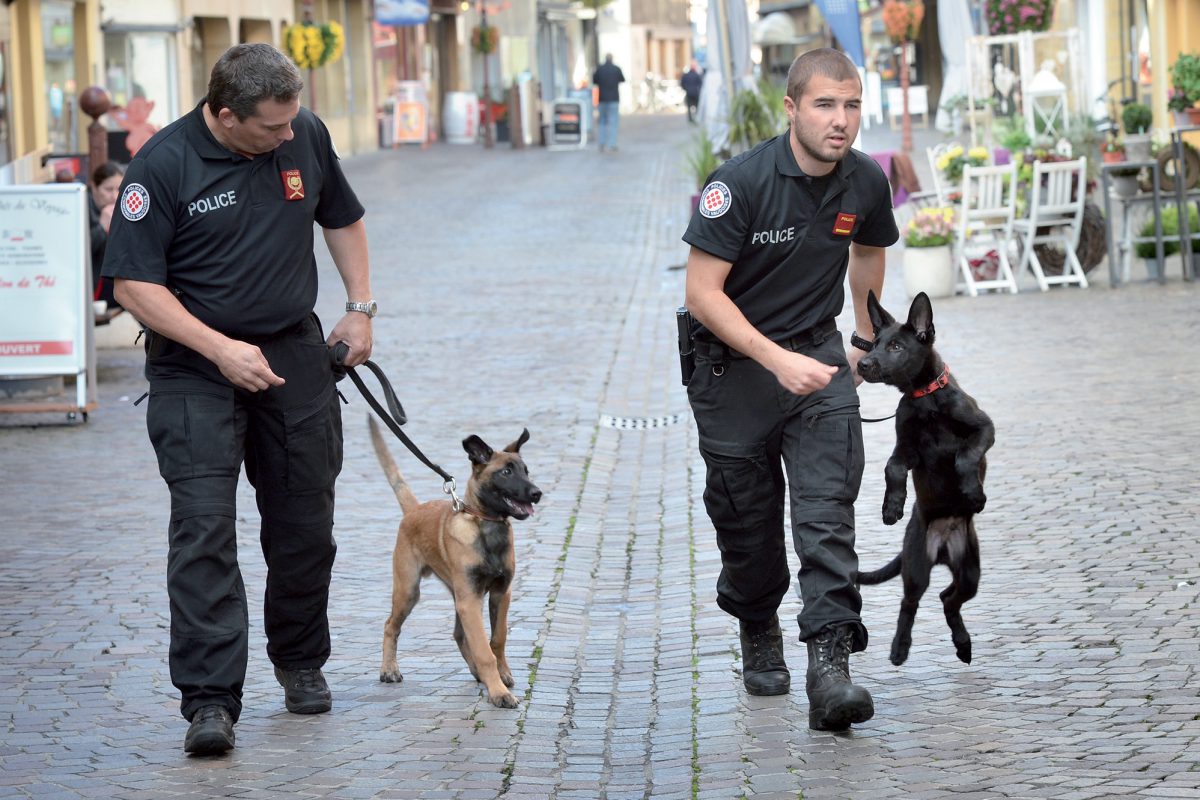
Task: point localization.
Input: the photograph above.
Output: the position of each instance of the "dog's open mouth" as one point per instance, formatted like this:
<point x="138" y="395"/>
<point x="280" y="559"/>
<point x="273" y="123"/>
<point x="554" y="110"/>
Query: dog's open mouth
<point x="519" y="509"/>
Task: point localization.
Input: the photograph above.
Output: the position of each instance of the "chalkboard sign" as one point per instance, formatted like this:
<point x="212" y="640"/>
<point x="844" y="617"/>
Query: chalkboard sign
<point x="567" y="125"/>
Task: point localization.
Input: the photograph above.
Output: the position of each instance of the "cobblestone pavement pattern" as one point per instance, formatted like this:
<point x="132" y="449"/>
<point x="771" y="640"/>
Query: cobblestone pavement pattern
<point x="537" y="288"/>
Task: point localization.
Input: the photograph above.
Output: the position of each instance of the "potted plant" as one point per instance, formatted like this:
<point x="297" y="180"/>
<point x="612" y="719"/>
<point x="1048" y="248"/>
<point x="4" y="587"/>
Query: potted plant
<point x="1137" y="118"/>
<point x="1125" y="182"/>
<point x="1112" y="151"/>
<point x="955" y="105"/>
<point x="1013" y="137"/>
<point x="952" y="161"/>
<point x="928" y="266"/>
<point x="1185" y="79"/>
<point x="1171" y="243"/>
<point x="702" y="161"/>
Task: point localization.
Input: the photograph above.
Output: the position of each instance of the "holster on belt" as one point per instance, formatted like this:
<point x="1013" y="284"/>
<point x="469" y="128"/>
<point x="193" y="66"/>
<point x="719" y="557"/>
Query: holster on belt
<point x="687" y="344"/>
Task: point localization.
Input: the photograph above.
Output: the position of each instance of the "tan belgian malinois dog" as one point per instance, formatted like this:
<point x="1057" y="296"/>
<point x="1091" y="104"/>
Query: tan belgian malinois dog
<point x="470" y="549"/>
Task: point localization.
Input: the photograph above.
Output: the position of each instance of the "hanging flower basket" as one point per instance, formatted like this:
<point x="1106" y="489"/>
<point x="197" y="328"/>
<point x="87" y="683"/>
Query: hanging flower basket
<point x="1014" y="16"/>
<point x="485" y="39"/>
<point x="902" y="19"/>
<point x="311" y="45"/>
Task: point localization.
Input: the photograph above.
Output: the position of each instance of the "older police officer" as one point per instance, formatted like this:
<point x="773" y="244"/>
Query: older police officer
<point x="777" y="230"/>
<point x="211" y="249"/>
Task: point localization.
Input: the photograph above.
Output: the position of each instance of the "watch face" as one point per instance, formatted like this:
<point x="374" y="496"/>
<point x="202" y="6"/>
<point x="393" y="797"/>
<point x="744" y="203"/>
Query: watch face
<point x="372" y="309"/>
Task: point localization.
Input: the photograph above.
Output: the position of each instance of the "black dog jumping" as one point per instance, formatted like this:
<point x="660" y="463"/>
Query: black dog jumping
<point x="941" y="436"/>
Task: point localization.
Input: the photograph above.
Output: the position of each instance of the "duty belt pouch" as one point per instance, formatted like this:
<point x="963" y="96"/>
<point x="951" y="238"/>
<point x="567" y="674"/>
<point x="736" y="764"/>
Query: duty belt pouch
<point x="687" y="345"/>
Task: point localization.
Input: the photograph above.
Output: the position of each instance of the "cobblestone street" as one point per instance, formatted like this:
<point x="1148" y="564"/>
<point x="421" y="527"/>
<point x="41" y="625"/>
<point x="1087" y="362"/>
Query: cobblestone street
<point x="534" y="288"/>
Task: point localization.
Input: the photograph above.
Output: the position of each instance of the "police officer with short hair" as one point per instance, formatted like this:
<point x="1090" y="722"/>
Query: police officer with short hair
<point x="773" y="393"/>
<point x="211" y="248"/>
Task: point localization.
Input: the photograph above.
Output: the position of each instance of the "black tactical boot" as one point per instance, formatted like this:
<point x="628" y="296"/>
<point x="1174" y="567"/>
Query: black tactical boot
<point x="763" y="669"/>
<point x="211" y="732"/>
<point x="305" y="690"/>
<point x="834" y="703"/>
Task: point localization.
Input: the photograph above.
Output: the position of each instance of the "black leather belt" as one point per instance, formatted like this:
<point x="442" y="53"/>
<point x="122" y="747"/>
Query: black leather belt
<point x="719" y="351"/>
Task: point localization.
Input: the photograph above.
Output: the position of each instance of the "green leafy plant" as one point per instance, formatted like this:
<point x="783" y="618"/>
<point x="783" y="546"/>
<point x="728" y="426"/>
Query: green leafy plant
<point x="1170" y="229"/>
<point x="757" y="115"/>
<point x="1185" y="78"/>
<point x="702" y="159"/>
<point x="955" y="102"/>
<point x="1012" y="135"/>
<point x="1136" y="118"/>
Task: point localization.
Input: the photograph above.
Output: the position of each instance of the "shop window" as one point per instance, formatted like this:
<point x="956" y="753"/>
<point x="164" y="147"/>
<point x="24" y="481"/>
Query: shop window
<point x="58" y="42"/>
<point x="140" y="75"/>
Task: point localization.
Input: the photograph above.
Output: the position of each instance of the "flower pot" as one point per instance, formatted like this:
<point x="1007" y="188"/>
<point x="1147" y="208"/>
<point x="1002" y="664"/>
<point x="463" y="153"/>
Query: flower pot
<point x="1193" y="115"/>
<point x="1125" y="185"/>
<point x="1137" y="147"/>
<point x="929" y="270"/>
<point x="1113" y="156"/>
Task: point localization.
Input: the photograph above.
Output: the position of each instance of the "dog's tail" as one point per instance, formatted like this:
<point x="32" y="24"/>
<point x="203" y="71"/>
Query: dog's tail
<point x="408" y="500"/>
<point x="883" y="574"/>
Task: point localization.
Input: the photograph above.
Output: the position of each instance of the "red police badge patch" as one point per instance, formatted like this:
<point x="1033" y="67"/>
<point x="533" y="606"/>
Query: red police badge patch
<point x="844" y="224"/>
<point x="293" y="186"/>
<point x="715" y="200"/>
<point x="135" y="202"/>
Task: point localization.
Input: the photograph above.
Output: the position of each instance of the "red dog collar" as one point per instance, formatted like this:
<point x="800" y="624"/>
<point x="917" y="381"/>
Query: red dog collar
<point x="941" y="381"/>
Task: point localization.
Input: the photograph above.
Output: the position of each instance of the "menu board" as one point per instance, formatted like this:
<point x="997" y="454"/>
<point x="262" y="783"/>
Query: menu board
<point x="45" y="283"/>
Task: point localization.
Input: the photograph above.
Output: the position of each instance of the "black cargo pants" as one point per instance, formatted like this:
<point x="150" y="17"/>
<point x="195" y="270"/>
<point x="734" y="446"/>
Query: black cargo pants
<point x="752" y="430"/>
<point x="290" y="439"/>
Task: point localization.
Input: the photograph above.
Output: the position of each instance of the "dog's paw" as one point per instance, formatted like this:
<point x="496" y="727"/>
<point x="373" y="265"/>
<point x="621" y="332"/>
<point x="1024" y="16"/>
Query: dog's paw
<point x="899" y="652"/>
<point x="963" y="651"/>
<point x="508" y="679"/>
<point x="893" y="512"/>
<point x="503" y="700"/>
<point x="390" y="676"/>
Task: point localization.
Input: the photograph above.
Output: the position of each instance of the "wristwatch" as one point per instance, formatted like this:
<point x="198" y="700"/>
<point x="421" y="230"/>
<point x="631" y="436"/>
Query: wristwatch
<point x="369" y="308"/>
<point x="861" y="343"/>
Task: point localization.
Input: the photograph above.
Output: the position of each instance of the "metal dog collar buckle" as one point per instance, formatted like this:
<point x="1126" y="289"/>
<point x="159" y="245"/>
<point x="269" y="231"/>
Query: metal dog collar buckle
<point x="938" y="383"/>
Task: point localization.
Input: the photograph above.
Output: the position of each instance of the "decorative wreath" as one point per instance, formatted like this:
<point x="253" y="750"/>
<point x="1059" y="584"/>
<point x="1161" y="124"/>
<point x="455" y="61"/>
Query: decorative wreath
<point x="1092" y="245"/>
<point x="311" y="45"/>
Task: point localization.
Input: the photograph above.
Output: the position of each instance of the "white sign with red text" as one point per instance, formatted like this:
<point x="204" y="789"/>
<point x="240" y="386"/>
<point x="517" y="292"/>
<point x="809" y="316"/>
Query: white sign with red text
<point x="45" y="280"/>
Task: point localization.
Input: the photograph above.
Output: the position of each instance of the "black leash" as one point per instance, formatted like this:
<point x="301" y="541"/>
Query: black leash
<point x="393" y="416"/>
<point x="880" y="419"/>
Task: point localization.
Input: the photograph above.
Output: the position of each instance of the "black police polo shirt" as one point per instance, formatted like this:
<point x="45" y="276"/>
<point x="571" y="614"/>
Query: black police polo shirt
<point x="789" y="253"/>
<point x="231" y="236"/>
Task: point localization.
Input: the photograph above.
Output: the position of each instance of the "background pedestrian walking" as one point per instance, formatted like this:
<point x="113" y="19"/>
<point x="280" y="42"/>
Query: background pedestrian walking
<point x="608" y="79"/>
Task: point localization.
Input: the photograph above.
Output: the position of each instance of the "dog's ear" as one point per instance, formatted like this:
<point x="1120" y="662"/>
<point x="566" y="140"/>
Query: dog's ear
<point x="920" y="318"/>
<point x="477" y="450"/>
<point x="515" y="447"/>
<point x="880" y="318"/>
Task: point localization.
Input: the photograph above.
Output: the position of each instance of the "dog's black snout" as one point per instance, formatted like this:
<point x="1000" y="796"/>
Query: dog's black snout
<point x="535" y="495"/>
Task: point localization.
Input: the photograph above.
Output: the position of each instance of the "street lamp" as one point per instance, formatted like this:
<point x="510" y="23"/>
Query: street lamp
<point x="484" y="8"/>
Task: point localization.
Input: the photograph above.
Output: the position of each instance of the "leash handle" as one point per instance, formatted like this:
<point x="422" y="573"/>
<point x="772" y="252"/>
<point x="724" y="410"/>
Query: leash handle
<point x="393" y="416"/>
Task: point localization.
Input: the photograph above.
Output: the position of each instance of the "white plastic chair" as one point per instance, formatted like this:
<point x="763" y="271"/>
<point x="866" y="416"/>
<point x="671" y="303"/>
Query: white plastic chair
<point x="1056" y="201"/>
<point x="985" y="223"/>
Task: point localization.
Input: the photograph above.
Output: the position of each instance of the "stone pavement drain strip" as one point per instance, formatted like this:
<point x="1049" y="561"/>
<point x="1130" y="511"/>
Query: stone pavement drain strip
<point x="639" y="423"/>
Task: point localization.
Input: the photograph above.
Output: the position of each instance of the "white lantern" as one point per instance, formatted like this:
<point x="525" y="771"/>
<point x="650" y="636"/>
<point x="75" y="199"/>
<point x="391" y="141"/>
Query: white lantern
<point x="1047" y="104"/>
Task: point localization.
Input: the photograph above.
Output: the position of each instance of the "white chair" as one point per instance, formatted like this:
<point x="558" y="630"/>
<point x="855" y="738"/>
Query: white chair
<point x="918" y="105"/>
<point x="872" y="105"/>
<point x="941" y="188"/>
<point x="1056" y="199"/>
<point x="985" y="223"/>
